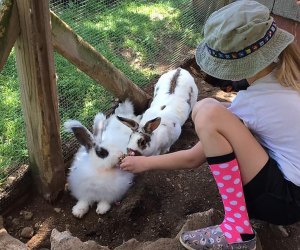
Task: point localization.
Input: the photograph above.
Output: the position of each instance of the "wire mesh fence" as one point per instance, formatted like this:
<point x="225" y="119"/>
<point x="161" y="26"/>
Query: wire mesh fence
<point x="141" y="38"/>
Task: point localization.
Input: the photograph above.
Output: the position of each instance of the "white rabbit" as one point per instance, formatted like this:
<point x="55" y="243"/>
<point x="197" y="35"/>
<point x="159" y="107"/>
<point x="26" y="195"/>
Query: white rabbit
<point x="175" y="95"/>
<point x="94" y="175"/>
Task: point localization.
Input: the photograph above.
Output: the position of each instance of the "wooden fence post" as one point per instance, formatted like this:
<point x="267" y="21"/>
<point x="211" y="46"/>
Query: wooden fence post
<point x="9" y="29"/>
<point x="35" y="65"/>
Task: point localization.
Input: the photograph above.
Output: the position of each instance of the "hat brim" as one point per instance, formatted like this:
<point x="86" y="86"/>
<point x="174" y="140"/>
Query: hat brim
<point x="237" y="69"/>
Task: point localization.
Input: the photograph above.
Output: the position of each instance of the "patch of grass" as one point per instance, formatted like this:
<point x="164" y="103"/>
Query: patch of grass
<point x="146" y="29"/>
<point x="12" y="137"/>
<point x="136" y="36"/>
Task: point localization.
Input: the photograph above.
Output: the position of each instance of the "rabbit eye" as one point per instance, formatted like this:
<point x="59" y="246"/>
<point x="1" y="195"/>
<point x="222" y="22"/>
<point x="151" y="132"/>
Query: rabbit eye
<point x="142" y="142"/>
<point x="101" y="152"/>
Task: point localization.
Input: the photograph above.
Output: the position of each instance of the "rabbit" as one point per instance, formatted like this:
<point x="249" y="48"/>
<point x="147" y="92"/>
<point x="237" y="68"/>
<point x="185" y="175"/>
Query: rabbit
<point x="175" y="94"/>
<point x="94" y="174"/>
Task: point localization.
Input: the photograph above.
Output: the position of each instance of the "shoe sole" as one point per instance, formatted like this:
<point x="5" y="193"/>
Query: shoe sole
<point x="189" y="248"/>
<point x="185" y="245"/>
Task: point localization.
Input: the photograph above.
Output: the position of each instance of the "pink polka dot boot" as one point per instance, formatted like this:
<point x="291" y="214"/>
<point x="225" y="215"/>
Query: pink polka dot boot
<point x="213" y="238"/>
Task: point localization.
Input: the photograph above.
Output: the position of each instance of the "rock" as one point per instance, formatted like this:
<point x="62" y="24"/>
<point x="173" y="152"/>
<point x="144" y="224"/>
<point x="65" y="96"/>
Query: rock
<point x="27" y="232"/>
<point x="197" y="220"/>
<point x="65" y="241"/>
<point x="7" y="242"/>
<point x="67" y="227"/>
<point x="160" y="244"/>
<point x="15" y="222"/>
<point x="37" y="225"/>
<point x="10" y="179"/>
<point x="27" y="215"/>
<point x="279" y="231"/>
<point x="194" y="221"/>
<point x="57" y="209"/>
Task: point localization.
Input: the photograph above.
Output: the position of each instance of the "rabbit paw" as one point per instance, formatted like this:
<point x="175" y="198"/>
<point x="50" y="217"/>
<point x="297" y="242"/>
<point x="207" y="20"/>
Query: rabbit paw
<point x="80" y="209"/>
<point x="102" y="207"/>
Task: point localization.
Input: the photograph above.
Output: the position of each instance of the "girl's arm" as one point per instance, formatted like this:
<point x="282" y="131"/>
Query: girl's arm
<point x="183" y="159"/>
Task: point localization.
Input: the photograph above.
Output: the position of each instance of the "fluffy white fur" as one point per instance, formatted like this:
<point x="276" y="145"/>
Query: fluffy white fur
<point x="94" y="179"/>
<point x="177" y="108"/>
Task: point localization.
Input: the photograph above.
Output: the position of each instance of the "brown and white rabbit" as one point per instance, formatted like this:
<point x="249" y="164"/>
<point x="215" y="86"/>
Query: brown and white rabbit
<point x="94" y="175"/>
<point x="175" y="94"/>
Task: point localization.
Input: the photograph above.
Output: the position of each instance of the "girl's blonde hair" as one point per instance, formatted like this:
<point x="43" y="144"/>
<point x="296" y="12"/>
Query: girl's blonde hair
<point x="288" y="73"/>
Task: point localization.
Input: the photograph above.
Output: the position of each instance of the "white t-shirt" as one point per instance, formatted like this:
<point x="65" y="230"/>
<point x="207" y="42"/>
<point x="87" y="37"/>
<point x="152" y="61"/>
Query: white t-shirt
<point x="272" y="113"/>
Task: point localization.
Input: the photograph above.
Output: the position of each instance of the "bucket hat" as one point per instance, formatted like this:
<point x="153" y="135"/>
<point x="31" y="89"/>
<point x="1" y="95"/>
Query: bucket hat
<point x="240" y="40"/>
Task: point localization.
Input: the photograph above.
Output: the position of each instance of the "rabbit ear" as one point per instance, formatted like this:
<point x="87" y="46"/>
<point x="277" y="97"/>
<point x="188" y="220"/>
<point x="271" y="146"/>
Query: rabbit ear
<point x="129" y="122"/>
<point x="82" y="134"/>
<point x="151" y="125"/>
<point x="99" y="123"/>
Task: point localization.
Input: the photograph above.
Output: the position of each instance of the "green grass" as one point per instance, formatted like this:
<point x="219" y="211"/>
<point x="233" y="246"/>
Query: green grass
<point x="12" y="140"/>
<point x="136" y="36"/>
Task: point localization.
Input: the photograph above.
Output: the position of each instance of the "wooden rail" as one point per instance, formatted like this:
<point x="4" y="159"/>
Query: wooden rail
<point x="91" y="62"/>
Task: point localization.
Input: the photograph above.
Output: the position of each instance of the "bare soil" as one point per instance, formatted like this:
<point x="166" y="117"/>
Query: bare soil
<point x="155" y="207"/>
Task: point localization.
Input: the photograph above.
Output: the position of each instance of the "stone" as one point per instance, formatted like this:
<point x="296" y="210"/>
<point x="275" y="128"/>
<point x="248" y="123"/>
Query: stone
<point x="27" y="215"/>
<point x="160" y="244"/>
<point x="279" y="230"/>
<point x="57" y="209"/>
<point x="27" y="232"/>
<point x="7" y="242"/>
<point x="65" y="241"/>
<point x="16" y="222"/>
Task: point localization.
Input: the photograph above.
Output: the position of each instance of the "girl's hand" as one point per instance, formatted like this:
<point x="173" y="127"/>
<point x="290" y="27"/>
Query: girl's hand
<point x="134" y="164"/>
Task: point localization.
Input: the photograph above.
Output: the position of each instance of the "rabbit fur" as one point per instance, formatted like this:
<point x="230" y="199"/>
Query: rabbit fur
<point x="94" y="175"/>
<point x="175" y="94"/>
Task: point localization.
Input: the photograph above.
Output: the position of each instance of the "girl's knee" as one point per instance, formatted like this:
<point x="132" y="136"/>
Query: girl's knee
<point x="205" y="109"/>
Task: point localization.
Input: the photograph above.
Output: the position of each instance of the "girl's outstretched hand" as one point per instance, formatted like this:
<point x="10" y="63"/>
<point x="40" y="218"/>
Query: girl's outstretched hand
<point x="134" y="164"/>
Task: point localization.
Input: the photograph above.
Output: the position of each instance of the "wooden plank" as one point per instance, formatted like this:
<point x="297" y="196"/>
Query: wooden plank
<point x="35" y="64"/>
<point x="9" y="29"/>
<point x="91" y="62"/>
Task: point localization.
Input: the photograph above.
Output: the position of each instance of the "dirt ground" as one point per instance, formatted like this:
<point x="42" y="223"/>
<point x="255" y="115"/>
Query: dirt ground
<point x="155" y="207"/>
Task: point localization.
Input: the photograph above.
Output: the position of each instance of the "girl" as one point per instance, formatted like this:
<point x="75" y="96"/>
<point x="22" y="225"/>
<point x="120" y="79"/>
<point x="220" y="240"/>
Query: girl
<point x="252" y="146"/>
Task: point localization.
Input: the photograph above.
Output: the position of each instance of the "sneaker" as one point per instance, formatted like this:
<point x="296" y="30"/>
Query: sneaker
<point x="213" y="238"/>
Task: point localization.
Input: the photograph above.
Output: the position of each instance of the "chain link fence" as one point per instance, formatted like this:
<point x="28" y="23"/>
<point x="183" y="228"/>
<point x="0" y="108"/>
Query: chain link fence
<point x="141" y="38"/>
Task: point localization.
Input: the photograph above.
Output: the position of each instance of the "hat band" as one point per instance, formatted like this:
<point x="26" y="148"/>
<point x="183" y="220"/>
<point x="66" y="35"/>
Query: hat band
<point x="246" y="51"/>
